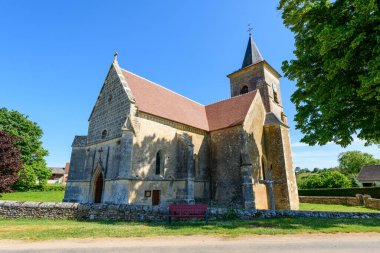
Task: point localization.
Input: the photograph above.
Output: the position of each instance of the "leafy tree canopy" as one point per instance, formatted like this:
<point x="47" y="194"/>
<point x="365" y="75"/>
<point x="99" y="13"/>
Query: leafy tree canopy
<point x="325" y="179"/>
<point x="10" y="161"/>
<point x="34" y="172"/>
<point x="337" y="69"/>
<point x="352" y="161"/>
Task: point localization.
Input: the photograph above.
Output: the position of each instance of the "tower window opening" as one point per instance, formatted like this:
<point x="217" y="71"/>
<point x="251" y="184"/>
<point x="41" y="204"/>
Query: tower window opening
<point x="244" y="90"/>
<point x="275" y="93"/>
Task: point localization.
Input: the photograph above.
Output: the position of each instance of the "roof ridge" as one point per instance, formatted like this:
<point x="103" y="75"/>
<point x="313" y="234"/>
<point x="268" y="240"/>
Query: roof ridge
<point x="240" y="95"/>
<point x="162" y="87"/>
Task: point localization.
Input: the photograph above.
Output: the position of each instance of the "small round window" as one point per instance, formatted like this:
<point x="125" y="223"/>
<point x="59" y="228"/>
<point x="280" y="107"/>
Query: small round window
<point x="104" y="134"/>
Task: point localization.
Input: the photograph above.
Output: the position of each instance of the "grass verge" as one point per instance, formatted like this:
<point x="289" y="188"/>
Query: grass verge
<point x="44" y="196"/>
<point x="57" y="196"/>
<point x="335" y="208"/>
<point x="44" y="229"/>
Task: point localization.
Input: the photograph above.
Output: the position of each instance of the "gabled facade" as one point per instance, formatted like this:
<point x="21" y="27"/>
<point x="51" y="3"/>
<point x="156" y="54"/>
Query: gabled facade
<point x="149" y="145"/>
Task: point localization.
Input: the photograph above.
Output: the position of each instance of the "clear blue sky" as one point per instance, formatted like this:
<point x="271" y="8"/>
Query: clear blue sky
<point x="54" y="56"/>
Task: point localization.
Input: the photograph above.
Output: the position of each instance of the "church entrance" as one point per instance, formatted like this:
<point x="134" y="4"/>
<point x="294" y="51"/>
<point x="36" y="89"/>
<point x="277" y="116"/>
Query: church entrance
<point x="98" y="189"/>
<point x="155" y="198"/>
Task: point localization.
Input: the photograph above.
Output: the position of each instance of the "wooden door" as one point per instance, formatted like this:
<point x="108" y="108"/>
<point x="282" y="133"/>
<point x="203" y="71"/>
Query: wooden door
<point x="99" y="189"/>
<point x="155" y="197"/>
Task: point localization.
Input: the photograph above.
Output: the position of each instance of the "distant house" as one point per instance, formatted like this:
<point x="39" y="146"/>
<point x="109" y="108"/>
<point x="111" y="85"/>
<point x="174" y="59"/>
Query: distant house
<point x="59" y="174"/>
<point x="369" y="175"/>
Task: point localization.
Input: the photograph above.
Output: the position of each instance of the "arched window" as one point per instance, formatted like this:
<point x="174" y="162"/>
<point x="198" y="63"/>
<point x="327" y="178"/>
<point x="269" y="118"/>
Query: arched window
<point x="104" y="134"/>
<point x="158" y="163"/>
<point x="244" y="89"/>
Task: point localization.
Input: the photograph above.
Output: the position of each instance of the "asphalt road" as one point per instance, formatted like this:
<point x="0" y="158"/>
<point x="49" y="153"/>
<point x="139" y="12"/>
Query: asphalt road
<point x="331" y="243"/>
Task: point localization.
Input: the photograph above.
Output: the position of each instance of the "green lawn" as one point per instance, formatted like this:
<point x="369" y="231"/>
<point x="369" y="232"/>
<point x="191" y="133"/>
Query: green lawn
<point x="335" y="208"/>
<point x="57" y="196"/>
<point x="44" y="229"/>
<point x="51" y="196"/>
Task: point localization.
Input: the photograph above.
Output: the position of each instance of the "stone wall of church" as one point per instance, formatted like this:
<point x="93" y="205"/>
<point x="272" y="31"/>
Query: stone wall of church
<point x="156" y="135"/>
<point x="110" y="111"/>
<point x="271" y="79"/>
<point x="280" y="164"/>
<point x="251" y="77"/>
<point x="112" y="158"/>
<point x="225" y="163"/>
<point x="254" y="146"/>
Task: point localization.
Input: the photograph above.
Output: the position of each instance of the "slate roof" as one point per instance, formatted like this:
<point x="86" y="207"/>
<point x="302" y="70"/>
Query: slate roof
<point x="57" y="170"/>
<point x="369" y="173"/>
<point x="252" y="54"/>
<point x="154" y="99"/>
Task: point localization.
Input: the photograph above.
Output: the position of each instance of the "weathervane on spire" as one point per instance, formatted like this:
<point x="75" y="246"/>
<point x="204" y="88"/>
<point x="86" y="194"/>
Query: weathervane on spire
<point x="249" y="29"/>
<point x="115" y="56"/>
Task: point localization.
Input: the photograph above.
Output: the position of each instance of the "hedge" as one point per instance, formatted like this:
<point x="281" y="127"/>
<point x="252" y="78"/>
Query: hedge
<point x="341" y="192"/>
<point x="54" y="187"/>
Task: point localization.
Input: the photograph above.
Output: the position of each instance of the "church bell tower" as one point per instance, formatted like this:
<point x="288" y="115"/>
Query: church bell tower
<point x="256" y="74"/>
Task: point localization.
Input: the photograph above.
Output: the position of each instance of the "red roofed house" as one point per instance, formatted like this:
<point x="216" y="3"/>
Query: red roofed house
<point x="149" y="145"/>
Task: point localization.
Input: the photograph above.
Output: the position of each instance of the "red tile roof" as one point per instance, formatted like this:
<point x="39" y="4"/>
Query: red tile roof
<point x="156" y="100"/>
<point x="230" y="112"/>
<point x="369" y="173"/>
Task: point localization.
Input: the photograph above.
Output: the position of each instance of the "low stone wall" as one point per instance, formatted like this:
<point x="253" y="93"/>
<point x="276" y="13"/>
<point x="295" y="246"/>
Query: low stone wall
<point x="14" y="209"/>
<point x="59" y="210"/>
<point x="350" y="201"/>
<point x="372" y="203"/>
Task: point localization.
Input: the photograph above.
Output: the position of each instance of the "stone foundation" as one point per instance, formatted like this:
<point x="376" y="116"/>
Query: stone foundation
<point x="14" y="209"/>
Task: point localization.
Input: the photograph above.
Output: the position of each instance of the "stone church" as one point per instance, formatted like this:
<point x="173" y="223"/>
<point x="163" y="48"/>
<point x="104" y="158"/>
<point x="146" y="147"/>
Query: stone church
<point x="148" y="145"/>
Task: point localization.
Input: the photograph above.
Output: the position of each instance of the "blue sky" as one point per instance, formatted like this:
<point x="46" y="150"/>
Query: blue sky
<point x="54" y="56"/>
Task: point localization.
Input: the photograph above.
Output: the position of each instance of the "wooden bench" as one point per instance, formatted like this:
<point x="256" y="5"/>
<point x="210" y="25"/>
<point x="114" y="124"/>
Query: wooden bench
<point x="187" y="211"/>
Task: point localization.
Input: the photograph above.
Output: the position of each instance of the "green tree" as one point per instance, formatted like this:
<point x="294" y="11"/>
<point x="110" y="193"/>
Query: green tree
<point x="34" y="173"/>
<point x="326" y="179"/>
<point x="337" y="69"/>
<point x="352" y="161"/>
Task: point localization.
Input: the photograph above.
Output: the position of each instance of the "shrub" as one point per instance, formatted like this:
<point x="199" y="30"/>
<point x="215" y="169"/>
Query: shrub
<point x="326" y="179"/>
<point x="54" y="187"/>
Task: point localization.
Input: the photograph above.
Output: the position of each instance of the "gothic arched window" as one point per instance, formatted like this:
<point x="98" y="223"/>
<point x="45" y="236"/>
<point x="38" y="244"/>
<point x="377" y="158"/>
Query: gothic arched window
<point x="244" y="89"/>
<point x="158" y="162"/>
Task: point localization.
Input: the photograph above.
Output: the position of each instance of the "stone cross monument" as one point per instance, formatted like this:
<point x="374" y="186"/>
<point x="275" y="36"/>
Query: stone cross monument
<point x="269" y="182"/>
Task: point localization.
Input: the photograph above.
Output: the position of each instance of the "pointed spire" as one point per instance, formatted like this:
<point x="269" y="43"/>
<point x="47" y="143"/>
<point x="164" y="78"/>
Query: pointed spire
<point x="252" y="53"/>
